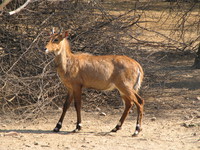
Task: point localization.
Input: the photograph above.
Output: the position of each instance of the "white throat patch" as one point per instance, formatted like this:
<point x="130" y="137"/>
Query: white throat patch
<point x="57" y="52"/>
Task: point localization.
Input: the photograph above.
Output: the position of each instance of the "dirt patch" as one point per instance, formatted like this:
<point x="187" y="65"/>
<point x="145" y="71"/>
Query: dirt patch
<point x="169" y="133"/>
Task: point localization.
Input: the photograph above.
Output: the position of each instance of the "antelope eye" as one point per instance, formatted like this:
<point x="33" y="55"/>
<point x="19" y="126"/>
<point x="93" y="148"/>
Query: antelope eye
<point x="55" y="40"/>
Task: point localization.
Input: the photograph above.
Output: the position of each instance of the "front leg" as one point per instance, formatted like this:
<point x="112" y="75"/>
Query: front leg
<point x="78" y="127"/>
<point x="77" y="103"/>
<point x="58" y="127"/>
<point x="65" y="108"/>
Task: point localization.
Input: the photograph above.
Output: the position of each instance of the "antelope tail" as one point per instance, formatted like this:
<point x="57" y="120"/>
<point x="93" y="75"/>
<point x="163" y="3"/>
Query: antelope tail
<point x="138" y="81"/>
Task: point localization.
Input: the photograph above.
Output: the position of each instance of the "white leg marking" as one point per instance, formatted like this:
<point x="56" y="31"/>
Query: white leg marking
<point x="119" y="124"/>
<point x="136" y="132"/>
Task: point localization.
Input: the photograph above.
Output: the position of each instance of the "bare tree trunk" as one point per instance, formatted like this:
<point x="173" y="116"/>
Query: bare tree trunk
<point x="197" y="59"/>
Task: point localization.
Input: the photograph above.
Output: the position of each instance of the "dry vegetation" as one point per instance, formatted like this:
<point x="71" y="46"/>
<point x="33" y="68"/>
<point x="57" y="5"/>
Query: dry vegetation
<point x="142" y="30"/>
<point x="162" y="36"/>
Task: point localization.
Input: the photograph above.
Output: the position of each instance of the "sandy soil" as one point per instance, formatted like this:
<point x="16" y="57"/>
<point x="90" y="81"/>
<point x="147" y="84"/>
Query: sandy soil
<point x="170" y="133"/>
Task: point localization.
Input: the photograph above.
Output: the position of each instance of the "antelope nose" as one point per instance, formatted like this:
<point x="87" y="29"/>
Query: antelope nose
<point x="46" y="50"/>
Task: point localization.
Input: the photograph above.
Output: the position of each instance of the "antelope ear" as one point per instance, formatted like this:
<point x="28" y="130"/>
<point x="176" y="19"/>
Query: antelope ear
<point x="65" y="34"/>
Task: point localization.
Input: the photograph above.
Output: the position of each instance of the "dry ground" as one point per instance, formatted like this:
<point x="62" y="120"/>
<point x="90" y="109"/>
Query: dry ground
<point x="159" y="134"/>
<point x="171" y="121"/>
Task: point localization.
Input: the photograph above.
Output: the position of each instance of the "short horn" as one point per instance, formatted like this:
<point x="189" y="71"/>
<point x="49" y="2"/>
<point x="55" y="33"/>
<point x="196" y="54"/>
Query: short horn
<point x="53" y="30"/>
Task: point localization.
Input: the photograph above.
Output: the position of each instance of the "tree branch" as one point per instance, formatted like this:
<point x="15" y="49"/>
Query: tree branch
<point x="20" y="8"/>
<point x="4" y="3"/>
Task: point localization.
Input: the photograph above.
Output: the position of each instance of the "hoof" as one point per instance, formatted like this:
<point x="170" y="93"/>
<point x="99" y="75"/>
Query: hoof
<point x="75" y="130"/>
<point x="78" y="127"/>
<point x="137" y="130"/>
<point x="56" y="129"/>
<point x="136" y="133"/>
<point x="116" y="129"/>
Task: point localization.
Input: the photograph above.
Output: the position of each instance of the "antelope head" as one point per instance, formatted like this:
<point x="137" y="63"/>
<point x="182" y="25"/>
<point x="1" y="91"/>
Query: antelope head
<point x="55" y="43"/>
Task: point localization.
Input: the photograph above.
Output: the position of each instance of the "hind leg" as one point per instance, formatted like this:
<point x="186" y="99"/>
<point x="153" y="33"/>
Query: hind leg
<point x="128" y="105"/>
<point x="131" y="97"/>
<point x="140" y="106"/>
